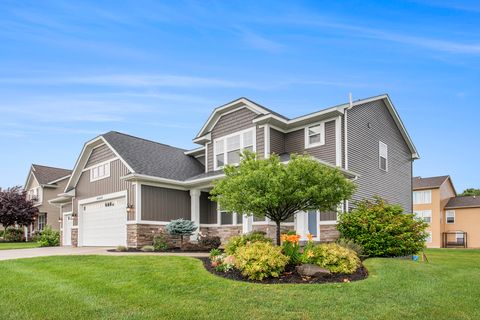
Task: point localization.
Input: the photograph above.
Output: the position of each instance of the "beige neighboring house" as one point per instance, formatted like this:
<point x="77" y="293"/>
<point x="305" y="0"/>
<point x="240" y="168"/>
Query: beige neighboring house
<point x="454" y="221"/>
<point x="43" y="184"/>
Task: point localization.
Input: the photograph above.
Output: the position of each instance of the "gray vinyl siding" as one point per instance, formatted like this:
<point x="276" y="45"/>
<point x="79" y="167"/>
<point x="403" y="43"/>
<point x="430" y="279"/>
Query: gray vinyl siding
<point x="363" y="155"/>
<point x="231" y="123"/>
<point x="208" y="209"/>
<point x="295" y="143"/>
<point x="277" y="141"/>
<point x="260" y="143"/>
<point x="100" y="154"/>
<point x="67" y="208"/>
<point x="86" y="189"/>
<point x="162" y="204"/>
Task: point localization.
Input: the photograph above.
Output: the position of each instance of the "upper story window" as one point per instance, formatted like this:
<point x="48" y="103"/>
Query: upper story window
<point x="34" y="194"/>
<point x="422" y="197"/>
<point x="383" y="156"/>
<point x="424" y="215"/>
<point x="315" y="135"/>
<point x="227" y="149"/>
<point x="450" y="216"/>
<point x="100" y="171"/>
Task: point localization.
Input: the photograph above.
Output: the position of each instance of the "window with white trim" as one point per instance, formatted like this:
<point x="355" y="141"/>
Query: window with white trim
<point x="450" y="216"/>
<point x="424" y="215"/>
<point x="100" y="172"/>
<point x="34" y="194"/>
<point x="422" y="197"/>
<point x="315" y="135"/>
<point x="41" y="221"/>
<point x="227" y="149"/>
<point x="382" y="156"/>
<point x="229" y="218"/>
<point x="429" y="237"/>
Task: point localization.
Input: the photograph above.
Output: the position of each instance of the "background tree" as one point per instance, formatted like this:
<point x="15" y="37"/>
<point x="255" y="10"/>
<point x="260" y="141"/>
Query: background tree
<point x="15" y="208"/>
<point x="470" y="192"/>
<point x="272" y="189"/>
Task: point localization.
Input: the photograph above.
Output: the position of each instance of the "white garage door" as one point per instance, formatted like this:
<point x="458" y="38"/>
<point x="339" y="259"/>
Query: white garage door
<point x="104" y="223"/>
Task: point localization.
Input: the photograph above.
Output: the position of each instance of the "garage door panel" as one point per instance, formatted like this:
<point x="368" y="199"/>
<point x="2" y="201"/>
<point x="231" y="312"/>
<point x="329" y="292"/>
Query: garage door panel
<point x="104" y="223"/>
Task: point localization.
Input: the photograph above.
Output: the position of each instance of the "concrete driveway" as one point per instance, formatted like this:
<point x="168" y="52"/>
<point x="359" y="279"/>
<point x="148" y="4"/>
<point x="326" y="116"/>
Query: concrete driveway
<point x="66" y="251"/>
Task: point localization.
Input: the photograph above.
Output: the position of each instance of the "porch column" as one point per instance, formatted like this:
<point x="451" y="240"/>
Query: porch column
<point x="247" y="223"/>
<point x="195" y="211"/>
<point x="301" y="225"/>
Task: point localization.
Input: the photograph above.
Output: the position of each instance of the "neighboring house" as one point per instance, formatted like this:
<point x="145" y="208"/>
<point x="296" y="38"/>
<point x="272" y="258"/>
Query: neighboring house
<point x="123" y="189"/>
<point x="454" y="221"/>
<point x="43" y="184"/>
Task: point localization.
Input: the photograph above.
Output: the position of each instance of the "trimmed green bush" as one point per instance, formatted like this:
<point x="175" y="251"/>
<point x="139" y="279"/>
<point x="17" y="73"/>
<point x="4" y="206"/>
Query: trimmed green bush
<point x="239" y="241"/>
<point x="147" y="249"/>
<point x="332" y="257"/>
<point x="121" y="249"/>
<point x="383" y="230"/>
<point x="160" y="242"/>
<point x="350" y="244"/>
<point x="49" y="238"/>
<point x="260" y="260"/>
<point x="209" y="242"/>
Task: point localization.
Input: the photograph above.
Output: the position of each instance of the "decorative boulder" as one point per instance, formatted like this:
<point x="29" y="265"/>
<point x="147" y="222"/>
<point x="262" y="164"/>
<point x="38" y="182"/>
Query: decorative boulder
<point x="311" y="270"/>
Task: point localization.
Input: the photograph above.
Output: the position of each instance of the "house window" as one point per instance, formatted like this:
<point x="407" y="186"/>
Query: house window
<point x="460" y="238"/>
<point x="227" y="149"/>
<point x="100" y="172"/>
<point x="41" y="221"/>
<point x="450" y="216"/>
<point x="229" y="218"/>
<point x="315" y="135"/>
<point x="422" y="197"/>
<point x="424" y="215"/>
<point x="383" y="156"/>
<point x="34" y="194"/>
<point x="429" y="237"/>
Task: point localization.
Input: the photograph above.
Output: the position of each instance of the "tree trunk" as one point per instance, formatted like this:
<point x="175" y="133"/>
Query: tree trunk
<point x="278" y="232"/>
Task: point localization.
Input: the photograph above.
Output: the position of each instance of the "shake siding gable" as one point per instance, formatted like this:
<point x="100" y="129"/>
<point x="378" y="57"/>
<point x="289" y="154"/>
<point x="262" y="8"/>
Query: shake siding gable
<point x="99" y="155"/>
<point x="162" y="204"/>
<point x="367" y="125"/>
<point x="86" y="189"/>
<point x="232" y="122"/>
<point x="295" y="143"/>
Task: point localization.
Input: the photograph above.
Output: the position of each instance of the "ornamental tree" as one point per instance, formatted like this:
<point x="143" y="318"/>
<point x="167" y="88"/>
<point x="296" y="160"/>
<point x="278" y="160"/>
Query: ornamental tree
<point x="15" y="208"/>
<point x="276" y="190"/>
<point x="181" y="227"/>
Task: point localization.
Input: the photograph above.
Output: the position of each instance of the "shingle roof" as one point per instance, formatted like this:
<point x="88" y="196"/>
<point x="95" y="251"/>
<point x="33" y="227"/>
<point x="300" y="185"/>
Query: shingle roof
<point x="45" y="175"/>
<point x="428" y="183"/>
<point x="207" y="175"/>
<point x="465" y="202"/>
<point x="153" y="158"/>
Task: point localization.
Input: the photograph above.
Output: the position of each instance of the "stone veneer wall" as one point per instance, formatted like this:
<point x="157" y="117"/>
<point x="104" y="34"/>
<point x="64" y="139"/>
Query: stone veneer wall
<point x="224" y="232"/>
<point x="329" y="233"/>
<point x="139" y="235"/>
<point x="74" y="237"/>
<point x="271" y="230"/>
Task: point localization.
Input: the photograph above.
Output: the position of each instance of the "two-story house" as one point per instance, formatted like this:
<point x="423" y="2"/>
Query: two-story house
<point x="123" y="189"/>
<point x="454" y="221"/>
<point x="43" y="184"/>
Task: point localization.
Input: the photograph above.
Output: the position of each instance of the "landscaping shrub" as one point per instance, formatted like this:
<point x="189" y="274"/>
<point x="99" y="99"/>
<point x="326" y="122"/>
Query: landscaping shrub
<point x="383" y="230"/>
<point x="35" y="237"/>
<point x="147" y="249"/>
<point x="291" y="248"/>
<point x="350" y="244"/>
<point x="121" y="249"/>
<point x="160" y="242"/>
<point x="181" y="227"/>
<point x="222" y="262"/>
<point x="239" y="241"/>
<point x="260" y="260"/>
<point x="215" y="252"/>
<point x="49" y="238"/>
<point x="332" y="257"/>
<point x="209" y="242"/>
<point x="13" y="235"/>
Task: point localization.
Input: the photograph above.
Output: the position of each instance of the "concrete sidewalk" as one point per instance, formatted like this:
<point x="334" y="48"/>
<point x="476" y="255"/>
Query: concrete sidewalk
<point x="66" y="251"/>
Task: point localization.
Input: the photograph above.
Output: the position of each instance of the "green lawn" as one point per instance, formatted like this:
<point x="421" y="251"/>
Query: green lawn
<point x="153" y="287"/>
<point x="18" y="245"/>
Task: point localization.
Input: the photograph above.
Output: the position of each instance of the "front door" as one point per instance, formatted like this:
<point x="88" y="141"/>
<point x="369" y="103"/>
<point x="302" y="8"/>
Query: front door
<point x="67" y="229"/>
<point x="308" y="223"/>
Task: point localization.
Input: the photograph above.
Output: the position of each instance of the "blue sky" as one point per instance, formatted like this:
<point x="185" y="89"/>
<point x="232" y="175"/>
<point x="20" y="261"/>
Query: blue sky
<point x="70" y="70"/>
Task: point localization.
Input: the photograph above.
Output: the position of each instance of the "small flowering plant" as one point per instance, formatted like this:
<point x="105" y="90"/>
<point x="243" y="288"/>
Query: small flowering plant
<point x="291" y="247"/>
<point x="221" y="261"/>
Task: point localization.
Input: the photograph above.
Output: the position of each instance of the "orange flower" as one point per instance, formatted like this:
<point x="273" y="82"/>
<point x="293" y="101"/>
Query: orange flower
<point x="310" y="254"/>
<point x="310" y="237"/>
<point x="283" y="237"/>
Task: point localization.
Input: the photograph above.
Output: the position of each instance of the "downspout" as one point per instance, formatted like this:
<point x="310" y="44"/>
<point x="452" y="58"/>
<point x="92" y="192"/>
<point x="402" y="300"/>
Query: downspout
<point x="345" y="144"/>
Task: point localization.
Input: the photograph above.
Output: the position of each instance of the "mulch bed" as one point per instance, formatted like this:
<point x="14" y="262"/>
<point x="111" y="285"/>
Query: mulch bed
<point x="290" y="275"/>
<point x="176" y="250"/>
